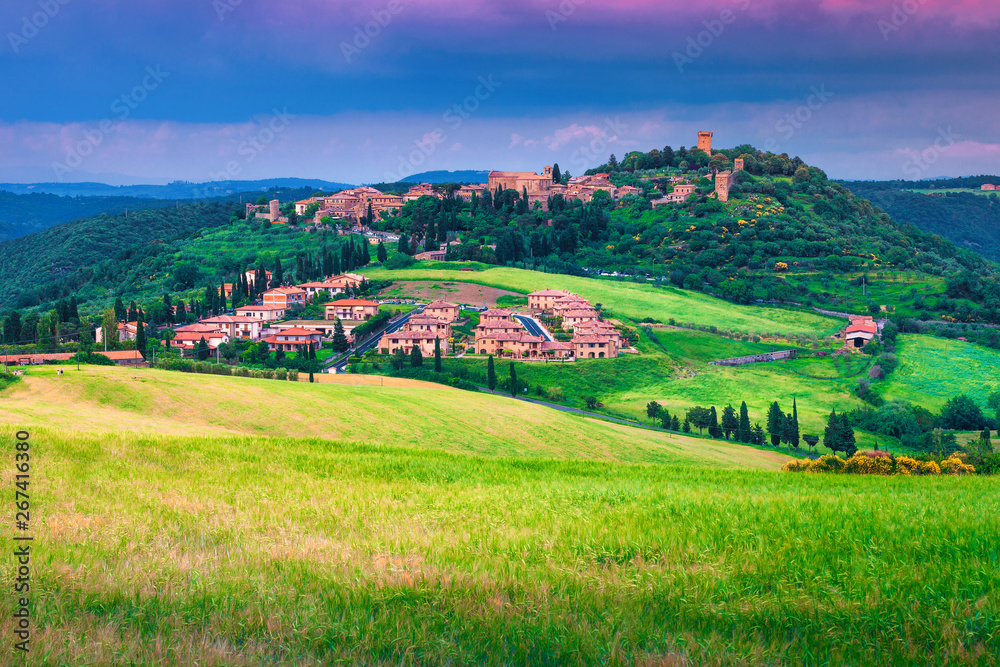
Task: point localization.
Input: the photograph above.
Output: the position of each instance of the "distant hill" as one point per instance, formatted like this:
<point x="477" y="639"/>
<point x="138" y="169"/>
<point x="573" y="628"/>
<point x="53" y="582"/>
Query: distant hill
<point x="175" y="190"/>
<point x="967" y="219"/>
<point x="468" y="176"/>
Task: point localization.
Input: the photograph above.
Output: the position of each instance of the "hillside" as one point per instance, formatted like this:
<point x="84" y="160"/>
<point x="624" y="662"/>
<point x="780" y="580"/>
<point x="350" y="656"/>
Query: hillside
<point x="21" y="215"/>
<point x="969" y="218"/>
<point x="162" y="520"/>
<point x="467" y="176"/>
<point x="175" y="190"/>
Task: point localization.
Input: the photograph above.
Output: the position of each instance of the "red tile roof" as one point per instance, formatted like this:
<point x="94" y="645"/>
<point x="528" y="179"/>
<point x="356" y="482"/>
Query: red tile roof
<point x="299" y="331"/>
<point x="441" y="304"/>
<point x="352" y="302"/>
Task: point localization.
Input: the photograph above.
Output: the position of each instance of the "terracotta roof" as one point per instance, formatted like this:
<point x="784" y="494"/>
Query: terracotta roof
<point x="556" y="345"/>
<point x="508" y="324"/>
<point x="248" y="309"/>
<point x="198" y="335"/>
<point x="299" y="331"/>
<point x="352" y="302"/>
<point x="285" y="290"/>
<point x="580" y="313"/>
<point x="197" y="328"/>
<point x="863" y="327"/>
<point x="321" y="285"/>
<point x="513" y="338"/>
<point x="590" y="339"/>
<point x="411" y="335"/>
<point x="549" y="292"/>
<point x="442" y="304"/>
<point x="426" y="319"/>
<point x="231" y="319"/>
<point x="495" y="312"/>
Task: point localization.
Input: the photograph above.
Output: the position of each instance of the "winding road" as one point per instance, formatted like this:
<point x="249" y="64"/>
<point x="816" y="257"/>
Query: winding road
<point x="339" y="365"/>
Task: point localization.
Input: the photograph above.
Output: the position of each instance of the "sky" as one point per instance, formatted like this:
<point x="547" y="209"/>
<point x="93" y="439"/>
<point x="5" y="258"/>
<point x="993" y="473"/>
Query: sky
<point x="125" y="92"/>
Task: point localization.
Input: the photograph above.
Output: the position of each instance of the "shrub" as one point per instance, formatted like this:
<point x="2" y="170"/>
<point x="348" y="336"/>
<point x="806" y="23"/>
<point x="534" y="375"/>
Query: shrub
<point x="257" y="374"/>
<point x="293" y="375"/>
<point x="555" y="394"/>
<point x="242" y="372"/>
<point x="906" y="465"/>
<point x="929" y="468"/>
<point x="859" y="464"/>
<point x="954" y="465"/>
<point x="267" y="374"/>
<point x="281" y="374"/>
<point x="798" y="465"/>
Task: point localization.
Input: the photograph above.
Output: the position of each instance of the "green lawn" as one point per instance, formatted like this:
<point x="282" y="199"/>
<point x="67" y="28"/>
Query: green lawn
<point x="932" y="370"/>
<point x="632" y="300"/>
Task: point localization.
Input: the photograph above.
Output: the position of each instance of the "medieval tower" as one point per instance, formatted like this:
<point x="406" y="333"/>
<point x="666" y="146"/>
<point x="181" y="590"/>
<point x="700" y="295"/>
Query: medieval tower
<point x="705" y="142"/>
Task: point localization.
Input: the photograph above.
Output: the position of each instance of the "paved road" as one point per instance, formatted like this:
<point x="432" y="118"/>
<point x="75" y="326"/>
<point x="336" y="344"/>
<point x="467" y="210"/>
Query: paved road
<point x="372" y="342"/>
<point x="575" y="411"/>
<point x="532" y="326"/>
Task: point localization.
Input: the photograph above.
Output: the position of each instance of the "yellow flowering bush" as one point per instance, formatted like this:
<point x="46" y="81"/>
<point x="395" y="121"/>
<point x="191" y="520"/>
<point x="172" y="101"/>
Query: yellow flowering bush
<point x="880" y="463"/>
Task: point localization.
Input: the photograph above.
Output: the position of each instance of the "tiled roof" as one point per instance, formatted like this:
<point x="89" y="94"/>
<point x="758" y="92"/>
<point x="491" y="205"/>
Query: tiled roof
<point x="299" y="331"/>
<point x="352" y="302"/>
<point x="442" y="304"/>
<point x="549" y="292"/>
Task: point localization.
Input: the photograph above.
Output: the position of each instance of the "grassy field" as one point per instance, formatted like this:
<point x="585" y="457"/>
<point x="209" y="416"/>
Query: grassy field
<point x="932" y="370"/>
<point x="419" y="416"/>
<point x="632" y="300"/>
<point x="675" y="372"/>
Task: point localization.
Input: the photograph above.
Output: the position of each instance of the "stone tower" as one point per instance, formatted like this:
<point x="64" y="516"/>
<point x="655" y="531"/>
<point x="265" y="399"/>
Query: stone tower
<point x="738" y="164"/>
<point x="705" y="142"/>
<point x="274" y="211"/>
<point x="722" y="182"/>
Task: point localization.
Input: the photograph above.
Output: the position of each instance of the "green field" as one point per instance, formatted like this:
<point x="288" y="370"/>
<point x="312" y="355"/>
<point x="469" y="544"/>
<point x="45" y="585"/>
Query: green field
<point x="932" y="370"/>
<point x="163" y="536"/>
<point x="632" y="300"/>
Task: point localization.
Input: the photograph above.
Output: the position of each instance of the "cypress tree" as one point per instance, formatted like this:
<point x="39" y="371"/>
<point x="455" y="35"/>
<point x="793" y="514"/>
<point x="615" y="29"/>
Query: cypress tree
<point x="513" y="380"/>
<point x="416" y="357"/>
<point x="713" y="423"/>
<point x="120" y="312"/>
<point x="74" y="314"/>
<point x="831" y="437"/>
<point x="675" y="425"/>
<point x="279" y="272"/>
<point x="340" y="343"/>
<point x="775" y="420"/>
<point x="202" y="349"/>
<point x="311" y="378"/>
<point x="730" y="422"/>
<point x="847" y="440"/>
<point x="745" y="433"/>
<point x="222" y="298"/>
<point x="366" y="255"/>
<point x="437" y="355"/>
<point x="491" y="374"/>
<point x="381" y="253"/>
<point x="140" y="337"/>
<point x="794" y="428"/>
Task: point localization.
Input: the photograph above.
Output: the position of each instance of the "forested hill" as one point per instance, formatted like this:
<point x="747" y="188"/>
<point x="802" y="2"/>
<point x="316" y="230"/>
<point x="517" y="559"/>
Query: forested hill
<point x="21" y="215"/>
<point x="46" y="265"/>
<point x="968" y="219"/>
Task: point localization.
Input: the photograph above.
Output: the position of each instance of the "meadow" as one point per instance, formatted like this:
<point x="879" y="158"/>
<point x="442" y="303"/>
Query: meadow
<point x="932" y="370"/>
<point x="165" y="536"/>
<point x="628" y="299"/>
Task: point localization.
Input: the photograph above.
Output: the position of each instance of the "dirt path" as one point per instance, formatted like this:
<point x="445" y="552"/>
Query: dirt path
<point x="467" y="293"/>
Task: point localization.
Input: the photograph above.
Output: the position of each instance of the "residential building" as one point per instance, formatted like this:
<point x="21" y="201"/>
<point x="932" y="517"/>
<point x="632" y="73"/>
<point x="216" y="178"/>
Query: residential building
<point x="264" y="313"/>
<point x="296" y="339"/>
<point x="571" y="318"/>
<point x="189" y="339"/>
<point x="357" y="310"/>
<point x="544" y="300"/>
<point x="520" y="344"/>
<point x="285" y="297"/>
<point x="326" y="327"/>
<point x="466" y="191"/>
<point x="860" y="332"/>
<point x="495" y="315"/>
<point x="432" y="255"/>
<point x="251" y="277"/>
<point x="439" y="328"/>
<point x="594" y="347"/>
<point x="557" y="349"/>
<point x="237" y="326"/>
<point x="989" y="186"/>
<point x="443" y="310"/>
<point x="333" y="287"/>
<point x="407" y="340"/>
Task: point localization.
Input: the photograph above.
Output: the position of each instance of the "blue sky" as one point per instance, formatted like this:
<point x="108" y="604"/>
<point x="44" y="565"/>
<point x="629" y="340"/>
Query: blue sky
<point x="200" y="90"/>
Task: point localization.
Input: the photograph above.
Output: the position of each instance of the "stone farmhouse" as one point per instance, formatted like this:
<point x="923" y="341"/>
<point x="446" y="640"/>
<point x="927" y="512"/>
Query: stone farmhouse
<point x="269" y="211"/>
<point x="860" y="332"/>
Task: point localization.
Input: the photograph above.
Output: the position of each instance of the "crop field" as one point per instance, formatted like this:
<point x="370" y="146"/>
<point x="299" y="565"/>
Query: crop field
<point x="633" y="300"/>
<point x="932" y="370"/>
<point x="164" y="536"/>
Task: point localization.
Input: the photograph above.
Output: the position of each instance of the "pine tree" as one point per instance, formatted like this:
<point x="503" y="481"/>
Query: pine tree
<point x="381" y="254"/>
<point x="759" y="437"/>
<point x="437" y="355"/>
<point x="340" y="343"/>
<point x="513" y="380"/>
<point x="775" y="420"/>
<point x="675" y="425"/>
<point x="652" y="410"/>
<point x="832" y="438"/>
<point x="687" y="426"/>
<point x="491" y="374"/>
<point x="745" y="433"/>
<point x="665" y="419"/>
<point x="787" y="428"/>
<point x="847" y="439"/>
